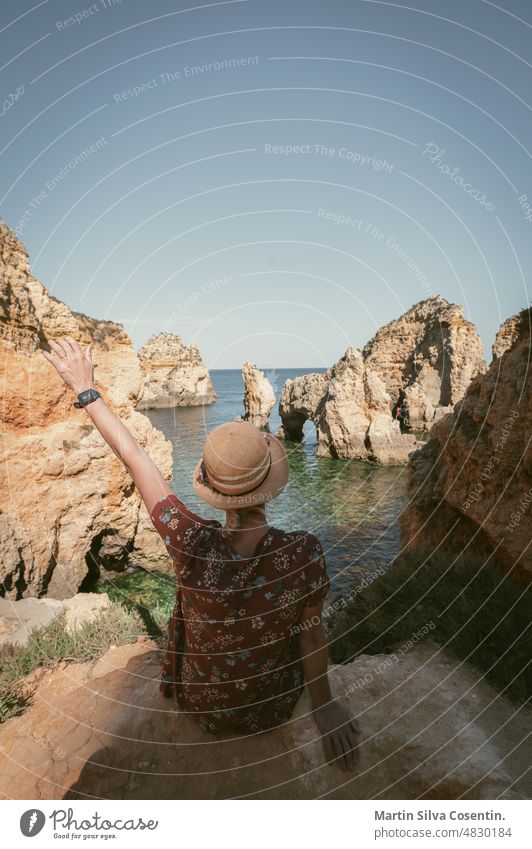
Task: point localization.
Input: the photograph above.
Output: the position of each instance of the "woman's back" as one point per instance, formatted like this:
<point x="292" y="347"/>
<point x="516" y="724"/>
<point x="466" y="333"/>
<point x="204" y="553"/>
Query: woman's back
<point x="233" y="656"/>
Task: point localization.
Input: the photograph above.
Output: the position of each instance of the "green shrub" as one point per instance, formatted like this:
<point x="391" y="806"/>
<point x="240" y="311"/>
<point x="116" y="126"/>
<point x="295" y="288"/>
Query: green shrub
<point x="52" y="643"/>
<point x="480" y="614"/>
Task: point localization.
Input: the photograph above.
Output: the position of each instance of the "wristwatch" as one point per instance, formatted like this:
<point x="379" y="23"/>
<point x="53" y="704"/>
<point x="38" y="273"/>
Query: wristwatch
<point x="86" y="397"/>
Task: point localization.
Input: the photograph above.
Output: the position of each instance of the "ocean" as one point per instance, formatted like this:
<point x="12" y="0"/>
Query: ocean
<point x="351" y="506"/>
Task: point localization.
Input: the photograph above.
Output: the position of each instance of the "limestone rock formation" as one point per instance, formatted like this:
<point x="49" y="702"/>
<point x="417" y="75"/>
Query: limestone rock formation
<point x="18" y="619"/>
<point x="65" y="494"/>
<point x="506" y="336"/>
<point x="300" y="399"/>
<point x="470" y="486"/>
<point x="259" y="397"/>
<point x="102" y="730"/>
<point x="429" y="355"/>
<point x="351" y="410"/>
<point x="174" y="374"/>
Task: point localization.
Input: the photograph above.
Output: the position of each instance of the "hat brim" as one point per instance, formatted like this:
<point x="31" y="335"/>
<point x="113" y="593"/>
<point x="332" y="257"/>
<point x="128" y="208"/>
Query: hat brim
<point x="270" y="488"/>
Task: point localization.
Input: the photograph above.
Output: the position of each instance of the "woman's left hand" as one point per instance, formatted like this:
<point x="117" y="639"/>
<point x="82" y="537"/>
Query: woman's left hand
<point x="340" y="732"/>
<point x="74" y="365"/>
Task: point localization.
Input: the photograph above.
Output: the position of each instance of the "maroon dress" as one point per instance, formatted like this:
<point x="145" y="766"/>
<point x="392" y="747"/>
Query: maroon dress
<point x="233" y="659"/>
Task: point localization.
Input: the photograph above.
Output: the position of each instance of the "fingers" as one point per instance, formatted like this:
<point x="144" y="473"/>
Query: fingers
<point x="64" y="347"/>
<point x="355" y="727"/>
<point x="349" y="757"/>
<point x="338" y="749"/>
<point x="57" y="348"/>
<point x="73" y="344"/>
<point x="330" y="754"/>
<point x="343" y="750"/>
<point x="67" y="346"/>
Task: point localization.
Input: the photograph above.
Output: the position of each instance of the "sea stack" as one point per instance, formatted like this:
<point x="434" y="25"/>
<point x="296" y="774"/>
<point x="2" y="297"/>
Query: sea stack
<point x="259" y="397"/>
<point x="428" y="357"/>
<point x="174" y="374"/>
<point x="351" y="410"/>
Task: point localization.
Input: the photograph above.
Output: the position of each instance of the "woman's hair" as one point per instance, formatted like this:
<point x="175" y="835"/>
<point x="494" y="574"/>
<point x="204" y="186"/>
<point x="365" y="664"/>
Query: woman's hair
<point x="235" y="518"/>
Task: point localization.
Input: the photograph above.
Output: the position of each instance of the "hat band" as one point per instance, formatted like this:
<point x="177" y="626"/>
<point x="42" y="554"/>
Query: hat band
<point x="210" y="484"/>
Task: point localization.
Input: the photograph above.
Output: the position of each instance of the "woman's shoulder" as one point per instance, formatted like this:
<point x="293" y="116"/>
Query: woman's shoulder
<point x="304" y="538"/>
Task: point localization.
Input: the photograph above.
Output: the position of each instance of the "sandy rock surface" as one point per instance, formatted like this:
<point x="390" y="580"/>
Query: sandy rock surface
<point x="102" y="730"/>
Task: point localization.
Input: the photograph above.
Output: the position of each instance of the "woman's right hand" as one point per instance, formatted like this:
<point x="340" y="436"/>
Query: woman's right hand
<point x="340" y="733"/>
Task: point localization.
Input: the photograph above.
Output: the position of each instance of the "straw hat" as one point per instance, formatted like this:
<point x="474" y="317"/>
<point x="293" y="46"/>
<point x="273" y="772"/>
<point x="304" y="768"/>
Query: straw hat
<point x="241" y="466"/>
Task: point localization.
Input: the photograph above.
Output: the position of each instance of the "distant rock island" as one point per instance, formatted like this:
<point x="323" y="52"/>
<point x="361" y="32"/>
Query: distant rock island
<point x="351" y="409"/>
<point x="422" y="361"/>
<point x="174" y="374"/>
<point x="259" y="397"/>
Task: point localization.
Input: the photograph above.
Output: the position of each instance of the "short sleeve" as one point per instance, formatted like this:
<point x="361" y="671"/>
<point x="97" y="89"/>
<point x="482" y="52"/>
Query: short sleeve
<point x="179" y="528"/>
<point x="316" y="571"/>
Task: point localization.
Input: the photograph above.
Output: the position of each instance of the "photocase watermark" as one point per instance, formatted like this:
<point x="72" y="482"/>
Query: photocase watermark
<point x="369" y="229"/>
<point x="185" y="73"/>
<point x="32" y="822"/>
<point x="339" y="603"/>
<point x="435" y="154"/>
<point x="10" y="100"/>
<point x="525" y="206"/>
<point x="324" y="150"/>
<point x="53" y="182"/>
<point x="390" y="659"/>
<point x="477" y="490"/>
<point x="517" y="515"/>
<point x="87" y="12"/>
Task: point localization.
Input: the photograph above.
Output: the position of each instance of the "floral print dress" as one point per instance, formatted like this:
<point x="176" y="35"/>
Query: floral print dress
<point x="233" y="659"/>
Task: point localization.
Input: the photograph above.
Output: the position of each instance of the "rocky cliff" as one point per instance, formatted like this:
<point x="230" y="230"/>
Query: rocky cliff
<point x="101" y="730"/>
<point x="259" y="397"/>
<point x="470" y="486"/>
<point x="69" y="507"/>
<point x="174" y="374"/>
<point x="428" y="355"/>
<point x="350" y="407"/>
<point x="506" y="336"/>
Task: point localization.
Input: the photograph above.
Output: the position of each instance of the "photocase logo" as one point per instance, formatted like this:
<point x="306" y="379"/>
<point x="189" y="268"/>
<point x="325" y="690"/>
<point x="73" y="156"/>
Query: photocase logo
<point x="32" y="822"/>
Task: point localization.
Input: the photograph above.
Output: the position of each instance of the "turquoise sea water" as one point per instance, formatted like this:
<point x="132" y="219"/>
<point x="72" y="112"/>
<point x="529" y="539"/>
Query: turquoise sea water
<point x="351" y="506"/>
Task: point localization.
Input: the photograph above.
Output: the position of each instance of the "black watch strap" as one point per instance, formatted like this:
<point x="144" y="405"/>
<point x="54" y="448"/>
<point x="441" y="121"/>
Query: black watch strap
<point x="86" y="397"/>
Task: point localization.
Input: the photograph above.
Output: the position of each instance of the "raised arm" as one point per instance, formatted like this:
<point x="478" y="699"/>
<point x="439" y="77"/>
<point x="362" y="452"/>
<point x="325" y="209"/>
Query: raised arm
<point x="76" y="369"/>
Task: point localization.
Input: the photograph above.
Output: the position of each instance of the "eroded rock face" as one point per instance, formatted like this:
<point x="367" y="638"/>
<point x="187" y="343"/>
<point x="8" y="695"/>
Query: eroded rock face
<point x="259" y="397"/>
<point x="506" y="336"/>
<point x="174" y="374"/>
<point x="64" y="491"/>
<point x="351" y="410"/>
<point x="354" y="418"/>
<point x="300" y="399"/>
<point x="429" y="355"/>
<point x="103" y="730"/>
<point x="470" y="486"/>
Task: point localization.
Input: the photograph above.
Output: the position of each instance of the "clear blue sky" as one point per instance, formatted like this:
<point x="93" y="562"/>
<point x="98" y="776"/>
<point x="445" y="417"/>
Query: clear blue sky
<point x="271" y="180"/>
